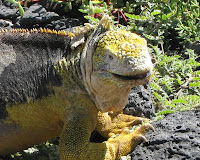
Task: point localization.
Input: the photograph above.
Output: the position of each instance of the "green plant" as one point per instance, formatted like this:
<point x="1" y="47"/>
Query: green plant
<point x="44" y="151"/>
<point x="156" y="19"/>
<point x="175" y="82"/>
<point x="21" y="10"/>
<point x="93" y="10"/>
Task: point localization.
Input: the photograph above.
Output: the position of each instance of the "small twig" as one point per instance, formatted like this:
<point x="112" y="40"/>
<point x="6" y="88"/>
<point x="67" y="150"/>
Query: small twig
<point x="119" y="13"/>
<point x="184" y="86"/>
<point x="118" y="17"/>
<point x="108" y="2"/>
<point x="124" y="17"/>
<point x="155" y="61"/>
<point x="163" y="52"/>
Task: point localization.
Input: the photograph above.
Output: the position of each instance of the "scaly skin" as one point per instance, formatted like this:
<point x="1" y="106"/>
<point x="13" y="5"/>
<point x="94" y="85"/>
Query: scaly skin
<point x="76" y="87"/>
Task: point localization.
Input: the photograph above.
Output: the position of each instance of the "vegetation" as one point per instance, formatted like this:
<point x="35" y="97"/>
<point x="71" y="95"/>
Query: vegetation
<point x="171" y="27"/>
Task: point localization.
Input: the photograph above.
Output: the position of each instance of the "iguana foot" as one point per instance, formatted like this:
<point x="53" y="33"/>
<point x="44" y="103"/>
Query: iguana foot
<point x="110" y="124"/>
<point x="128" y="139"/>
<point x="124" y="132"/>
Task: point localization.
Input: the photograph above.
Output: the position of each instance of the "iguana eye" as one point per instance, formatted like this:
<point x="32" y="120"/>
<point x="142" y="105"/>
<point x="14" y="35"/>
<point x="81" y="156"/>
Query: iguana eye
<point x="110" y="57"/>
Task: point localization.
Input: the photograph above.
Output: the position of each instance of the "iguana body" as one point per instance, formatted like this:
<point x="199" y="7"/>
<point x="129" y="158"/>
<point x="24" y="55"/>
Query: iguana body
<point x="52" y="85"/>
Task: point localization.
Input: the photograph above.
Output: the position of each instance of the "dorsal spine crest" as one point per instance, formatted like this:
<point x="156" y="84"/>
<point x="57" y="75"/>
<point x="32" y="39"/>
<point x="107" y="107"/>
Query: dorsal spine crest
<point x="41" y="30"/>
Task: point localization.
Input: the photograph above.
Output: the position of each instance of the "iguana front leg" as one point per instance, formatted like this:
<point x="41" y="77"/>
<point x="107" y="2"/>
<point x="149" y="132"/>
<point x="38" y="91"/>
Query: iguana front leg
<point x="74" y="141"/>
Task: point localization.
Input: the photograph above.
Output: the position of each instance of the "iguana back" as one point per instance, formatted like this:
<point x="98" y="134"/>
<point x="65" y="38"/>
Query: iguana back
<point x="26" y="64"/>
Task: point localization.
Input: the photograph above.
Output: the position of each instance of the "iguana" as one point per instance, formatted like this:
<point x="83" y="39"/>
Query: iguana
<point x="67" y="84"/>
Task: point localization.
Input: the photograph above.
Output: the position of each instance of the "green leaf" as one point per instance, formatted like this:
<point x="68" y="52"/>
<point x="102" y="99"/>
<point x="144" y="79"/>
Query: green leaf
<point x="180" y="100"/>
<point x="196" y="78"/>
<point x="150" y="37"/>
<point x="131" y="16"/>
<point x="197" y="72"/>
<point x="91" y="11"/>
<point x="127" y="4"/>
<point x="165" y="112"/>
<point x="83" y="10"/>
<point x="190" y="68"/>
<point x="164" y="17"/>
<point x="155" y="86"/>
<point x="144" y="18"/>
<point x="159" y="97"/>
<point x="97" y="2"/>
<point x="137" y="17"/>
<point x="92" y="19"/>
<point x="156" y="12"/>
<point x="178" y="79"/>
<point x="56" y="1"/>
<point x="169" y="15"/>
<point x="12" y="1"/>
<point x="105" y="5"/>
<point x="21" y="10"/>
<point x="195" y="84"/>
<point x="98" y="10"/>
<point x="162" y="99"/>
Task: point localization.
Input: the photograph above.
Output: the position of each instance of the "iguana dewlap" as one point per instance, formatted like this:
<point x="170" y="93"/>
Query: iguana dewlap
<point x="55" y="84"/>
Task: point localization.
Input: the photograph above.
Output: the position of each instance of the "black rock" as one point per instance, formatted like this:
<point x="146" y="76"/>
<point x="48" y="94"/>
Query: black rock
<point x="8" y="4"/>
<point x="176" y="137"/>
<point x="64" y="23"/>
<point x="196" y="47"/>
<point x="5" y="24"/>
<point x="8" y="12"/>
<point x="140" y="102"/>
<point x="36" y="15"/>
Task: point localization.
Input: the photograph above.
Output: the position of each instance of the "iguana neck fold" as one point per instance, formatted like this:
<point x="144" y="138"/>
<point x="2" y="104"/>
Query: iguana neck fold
<point x="86" y="59"/>
<point x="69" y="69"/>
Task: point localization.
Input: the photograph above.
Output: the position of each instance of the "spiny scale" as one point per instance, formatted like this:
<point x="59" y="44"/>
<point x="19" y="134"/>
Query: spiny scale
<point x="41" y="30"/>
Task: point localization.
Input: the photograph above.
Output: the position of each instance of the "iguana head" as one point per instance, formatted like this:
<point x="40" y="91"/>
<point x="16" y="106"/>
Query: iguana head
<point x="121" y="58"/>
<point x="119" y="62"/>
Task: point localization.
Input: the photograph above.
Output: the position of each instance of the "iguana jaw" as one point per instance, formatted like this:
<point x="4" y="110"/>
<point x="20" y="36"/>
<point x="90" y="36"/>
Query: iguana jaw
<point x="112" y="90"/>
<point x="134" y="77"/>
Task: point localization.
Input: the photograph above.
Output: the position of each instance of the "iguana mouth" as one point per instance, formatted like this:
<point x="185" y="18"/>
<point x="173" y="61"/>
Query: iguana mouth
<point x="136" y="77"/>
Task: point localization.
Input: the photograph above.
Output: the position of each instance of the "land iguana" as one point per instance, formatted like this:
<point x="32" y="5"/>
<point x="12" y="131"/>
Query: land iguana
<point x="67" y="84"/>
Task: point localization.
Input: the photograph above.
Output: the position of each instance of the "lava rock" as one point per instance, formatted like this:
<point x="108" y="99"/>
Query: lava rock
<point x="36" y="15"/>
<point x="8" y="4"/>
<point x="63" y="24"/>
<point x="140" y="102"/>
<point x="196" y="47"/>
<point x="5" y="24"/>
<point x="8" y="12"/>
<point x="176" y="137"/>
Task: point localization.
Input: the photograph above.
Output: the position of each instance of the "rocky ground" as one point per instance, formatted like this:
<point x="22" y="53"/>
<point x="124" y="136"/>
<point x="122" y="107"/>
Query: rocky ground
<point x="176" y="137"/>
